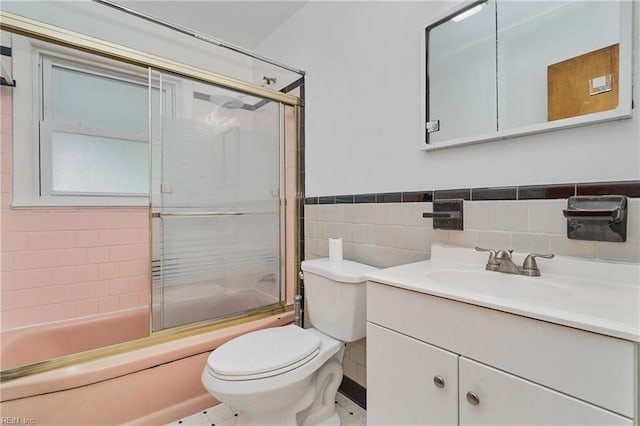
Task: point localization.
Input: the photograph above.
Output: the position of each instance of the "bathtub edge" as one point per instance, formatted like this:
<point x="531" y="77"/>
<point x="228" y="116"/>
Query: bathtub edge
<point x="122" y="364"/>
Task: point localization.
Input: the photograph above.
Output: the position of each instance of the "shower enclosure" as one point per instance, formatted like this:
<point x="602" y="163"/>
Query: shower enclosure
<point x="216" y="201"/>
<point x="225" y="179"/>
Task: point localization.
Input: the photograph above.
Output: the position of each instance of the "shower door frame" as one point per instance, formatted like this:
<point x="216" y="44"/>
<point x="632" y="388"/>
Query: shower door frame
<point x="158" y="82"/>
<point x="27" y="27"/>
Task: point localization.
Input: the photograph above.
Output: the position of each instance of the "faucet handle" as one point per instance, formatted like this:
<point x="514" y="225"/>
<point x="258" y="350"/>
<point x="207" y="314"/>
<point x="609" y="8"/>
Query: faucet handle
<point x="492" y="255"/>
<point x="504" y="254"/>
<point x="531" y="266"/>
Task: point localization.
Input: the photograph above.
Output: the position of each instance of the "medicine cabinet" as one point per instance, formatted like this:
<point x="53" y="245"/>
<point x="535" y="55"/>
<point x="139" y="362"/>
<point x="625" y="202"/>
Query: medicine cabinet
<point x="499" y="69"/>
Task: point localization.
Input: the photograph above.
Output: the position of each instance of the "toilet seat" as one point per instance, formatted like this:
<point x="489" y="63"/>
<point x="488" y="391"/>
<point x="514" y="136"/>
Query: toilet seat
<point x="263" y="353"/>
<point x="266" y="393"/>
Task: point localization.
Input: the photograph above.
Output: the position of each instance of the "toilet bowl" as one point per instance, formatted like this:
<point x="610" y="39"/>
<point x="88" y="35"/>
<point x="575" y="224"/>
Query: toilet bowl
<point x="274" y="392"/>
<point x="289" y="375"/>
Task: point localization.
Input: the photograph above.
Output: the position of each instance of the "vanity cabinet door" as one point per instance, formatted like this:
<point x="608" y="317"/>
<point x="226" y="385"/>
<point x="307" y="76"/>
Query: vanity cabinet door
<point x="492" y="397"/>
<point x="408" y="381"/>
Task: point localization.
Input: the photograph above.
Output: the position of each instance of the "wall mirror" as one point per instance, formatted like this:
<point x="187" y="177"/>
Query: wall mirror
<point x="498" y="69"/>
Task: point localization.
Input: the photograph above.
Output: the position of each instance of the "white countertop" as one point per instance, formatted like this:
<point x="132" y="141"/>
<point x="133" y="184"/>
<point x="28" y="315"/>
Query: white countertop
<point x="597" y="296"/>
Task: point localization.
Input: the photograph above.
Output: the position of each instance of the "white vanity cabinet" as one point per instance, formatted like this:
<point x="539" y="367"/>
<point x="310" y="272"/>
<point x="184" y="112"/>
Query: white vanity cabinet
<point x="491" y="397"/>
<point x="408" y="381"/>
<point x="435" y="361"/>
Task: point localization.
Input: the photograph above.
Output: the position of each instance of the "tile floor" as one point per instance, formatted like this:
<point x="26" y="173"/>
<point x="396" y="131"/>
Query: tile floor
<point x="221" y="415"/>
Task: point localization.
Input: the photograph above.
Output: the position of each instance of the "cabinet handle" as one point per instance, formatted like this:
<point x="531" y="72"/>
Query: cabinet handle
<point x="473" y="398"/>
<point x="438" y="381"/>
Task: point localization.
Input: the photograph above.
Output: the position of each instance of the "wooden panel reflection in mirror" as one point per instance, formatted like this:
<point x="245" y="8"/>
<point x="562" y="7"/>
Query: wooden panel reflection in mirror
<point x="569" y="84"/>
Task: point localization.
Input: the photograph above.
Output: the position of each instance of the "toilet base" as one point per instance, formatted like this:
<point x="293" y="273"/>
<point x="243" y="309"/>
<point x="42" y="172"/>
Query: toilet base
<point x="316" y="407"/>
<point x="322" y="410"/>
<point x="245" y="420"/>
<point x="283" y="416"/>
<point x="266" y="419"/>
<point x="331" y="421"/>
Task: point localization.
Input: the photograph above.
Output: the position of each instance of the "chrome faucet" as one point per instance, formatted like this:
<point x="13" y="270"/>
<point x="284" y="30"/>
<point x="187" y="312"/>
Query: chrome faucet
<point x="501" y="261"/>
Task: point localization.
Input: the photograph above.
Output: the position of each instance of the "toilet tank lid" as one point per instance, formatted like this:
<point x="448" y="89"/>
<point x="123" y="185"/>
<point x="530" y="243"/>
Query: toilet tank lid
<point x="345" y="271"/>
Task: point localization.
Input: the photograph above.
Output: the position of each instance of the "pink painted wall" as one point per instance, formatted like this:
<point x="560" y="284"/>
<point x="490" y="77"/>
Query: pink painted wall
<point x="64" y="263"/>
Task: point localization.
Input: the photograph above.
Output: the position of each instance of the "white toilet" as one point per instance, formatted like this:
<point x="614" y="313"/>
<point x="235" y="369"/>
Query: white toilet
<point x="289" y="375"/>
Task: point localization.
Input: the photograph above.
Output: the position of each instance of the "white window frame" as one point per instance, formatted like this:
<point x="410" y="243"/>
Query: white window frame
<point x="32" y="159"/>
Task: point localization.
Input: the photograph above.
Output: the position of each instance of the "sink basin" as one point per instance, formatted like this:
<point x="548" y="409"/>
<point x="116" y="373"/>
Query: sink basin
<point x="592" y="295"/>
<point x="498" y="284"/>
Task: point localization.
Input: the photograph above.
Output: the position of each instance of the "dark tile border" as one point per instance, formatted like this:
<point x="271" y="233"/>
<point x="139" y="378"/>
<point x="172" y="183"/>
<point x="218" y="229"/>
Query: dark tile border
<point x="417" y="197"/>
<point x="330" y="199"/>
<point x="389" y="197"/>
<point x="311" y="200"/>
<point x="354" y="391"/>
<point x="546" y="192"/>
<point x="499" y="193"/>
<point x="448" y="194"/>
<point x="344" y="199"/>
<point x="364" y="198"/>
<point x="630" y="188"/>
<point x="5" y="51"/>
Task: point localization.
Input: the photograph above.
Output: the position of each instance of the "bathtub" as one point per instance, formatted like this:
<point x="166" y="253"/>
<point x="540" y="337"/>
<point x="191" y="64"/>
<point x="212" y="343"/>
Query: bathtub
<point x="153" y="385"/>
<point x="28" y="345"/>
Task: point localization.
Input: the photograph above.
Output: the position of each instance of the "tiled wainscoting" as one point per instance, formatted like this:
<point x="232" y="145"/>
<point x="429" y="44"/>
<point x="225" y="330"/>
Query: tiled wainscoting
<point x="386" y="234"/>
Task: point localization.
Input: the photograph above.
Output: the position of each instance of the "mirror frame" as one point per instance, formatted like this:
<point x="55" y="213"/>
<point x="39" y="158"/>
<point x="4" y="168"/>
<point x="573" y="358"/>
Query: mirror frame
<point x="622" y="111"/>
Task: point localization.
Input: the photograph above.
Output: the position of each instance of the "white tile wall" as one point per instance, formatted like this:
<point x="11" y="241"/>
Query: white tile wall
<point x="354" y="364"/>
<point x="478" y="215"/>
<point x="371" y="232"/>
<point x="545" y="217"/>
<point x="391" y="234"/>
<point x="510" y="215"/>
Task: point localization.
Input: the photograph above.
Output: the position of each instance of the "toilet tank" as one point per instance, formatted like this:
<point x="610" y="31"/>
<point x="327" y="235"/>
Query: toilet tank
<point x="335" y="293"/>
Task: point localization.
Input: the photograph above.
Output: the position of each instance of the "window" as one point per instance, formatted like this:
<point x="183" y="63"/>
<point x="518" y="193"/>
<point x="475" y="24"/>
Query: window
<point x="89" y="139"/>
<point x="93" y="136"/>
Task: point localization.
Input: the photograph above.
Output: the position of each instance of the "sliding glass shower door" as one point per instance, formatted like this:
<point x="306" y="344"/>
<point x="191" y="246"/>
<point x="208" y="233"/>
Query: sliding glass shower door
<point x="216" y="206"/>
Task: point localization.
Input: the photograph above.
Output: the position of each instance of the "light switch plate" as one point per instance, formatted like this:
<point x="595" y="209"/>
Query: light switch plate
<point x="601" y="84"/>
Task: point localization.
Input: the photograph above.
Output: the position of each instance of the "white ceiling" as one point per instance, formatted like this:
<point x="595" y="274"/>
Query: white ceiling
<point x="245" y="23"/>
